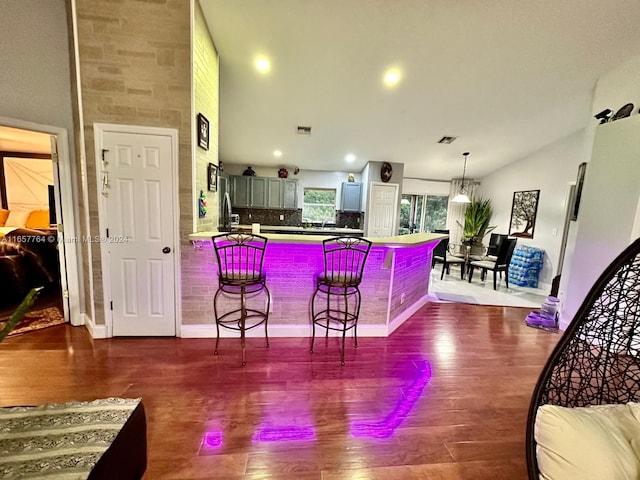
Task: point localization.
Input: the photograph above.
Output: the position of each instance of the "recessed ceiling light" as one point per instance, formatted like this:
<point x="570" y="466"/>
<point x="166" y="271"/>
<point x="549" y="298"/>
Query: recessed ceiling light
<point x="277" y="153"/>
<point x="391" y="77"/>
<point x="263" y="65"/>
<point x="350" y="157"/>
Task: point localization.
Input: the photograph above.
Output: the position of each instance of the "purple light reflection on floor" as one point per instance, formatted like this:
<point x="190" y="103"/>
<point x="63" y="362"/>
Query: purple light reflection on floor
<point x="212" y="439"/>
<point x="385" y="428"/>
<point x="284" y="434"/>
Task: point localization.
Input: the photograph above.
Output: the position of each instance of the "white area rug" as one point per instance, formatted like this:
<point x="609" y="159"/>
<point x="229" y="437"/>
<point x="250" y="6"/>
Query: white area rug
<point x="452" y="289"/>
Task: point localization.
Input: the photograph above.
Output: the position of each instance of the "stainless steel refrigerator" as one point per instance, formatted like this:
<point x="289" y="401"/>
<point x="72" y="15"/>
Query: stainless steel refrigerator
<point x="224" y="203"/>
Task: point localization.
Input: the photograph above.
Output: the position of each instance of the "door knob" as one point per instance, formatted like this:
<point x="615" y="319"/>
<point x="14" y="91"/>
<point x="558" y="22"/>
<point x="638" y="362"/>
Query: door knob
<point x="166" y="250"/>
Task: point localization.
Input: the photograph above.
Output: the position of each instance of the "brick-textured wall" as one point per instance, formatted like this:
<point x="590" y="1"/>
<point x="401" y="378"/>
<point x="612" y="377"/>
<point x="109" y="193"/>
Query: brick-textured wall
<point x="206" y="93"/>
<point x="411" y="277"/>
<point x="291" y="270"/>
<point x="135" y="69"/>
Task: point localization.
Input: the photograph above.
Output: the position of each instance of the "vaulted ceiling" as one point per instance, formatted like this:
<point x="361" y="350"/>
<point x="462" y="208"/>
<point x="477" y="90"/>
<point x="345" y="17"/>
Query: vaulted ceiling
<point x="507" y="77"/>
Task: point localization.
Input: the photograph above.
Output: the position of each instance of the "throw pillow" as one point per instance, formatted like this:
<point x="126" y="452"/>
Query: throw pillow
<point x="590" y="443"/>
<point x="16" y="218"/>
<point x="4" y="214"/>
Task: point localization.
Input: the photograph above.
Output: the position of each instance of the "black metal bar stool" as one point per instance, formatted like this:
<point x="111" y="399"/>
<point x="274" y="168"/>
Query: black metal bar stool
<point x="344" y="259"/>
<point x="240" y="257"/>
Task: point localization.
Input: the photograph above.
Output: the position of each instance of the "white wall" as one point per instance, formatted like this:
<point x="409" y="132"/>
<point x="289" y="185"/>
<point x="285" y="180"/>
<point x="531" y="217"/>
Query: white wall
<point x="417" y="186"/>
<point x="550" y="170"/>
<point x="35" y="82"/>
<point x="608" y="216"/>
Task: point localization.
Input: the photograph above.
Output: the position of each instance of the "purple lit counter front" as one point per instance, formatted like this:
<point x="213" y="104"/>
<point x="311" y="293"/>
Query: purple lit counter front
<point x="395" y="283"/>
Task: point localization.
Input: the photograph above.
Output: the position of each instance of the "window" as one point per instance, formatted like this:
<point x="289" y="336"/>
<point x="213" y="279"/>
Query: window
<point x="423" y="213"/>
<point x="435" y="212"/>
<point x="319" y="205"/>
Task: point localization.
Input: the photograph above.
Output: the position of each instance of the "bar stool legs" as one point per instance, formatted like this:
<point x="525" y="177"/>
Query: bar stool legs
<point x="240" y="258"/>
<point x="344" y="259"/>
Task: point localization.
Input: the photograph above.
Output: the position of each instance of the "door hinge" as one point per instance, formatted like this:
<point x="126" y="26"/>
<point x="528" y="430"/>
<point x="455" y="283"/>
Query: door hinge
<point x="54" y="157"/>
<point x="65" y="294"/>
<point x="111" y="305"/>
<point x="60" y="228"/>
<point x="107" y="233"/>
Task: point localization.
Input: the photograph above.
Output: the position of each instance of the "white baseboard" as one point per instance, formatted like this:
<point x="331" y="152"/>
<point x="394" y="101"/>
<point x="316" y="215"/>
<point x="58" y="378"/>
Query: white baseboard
<point x="404" y="316"/>
<point x="96" y="331"/>
<point x="275" y="331"/>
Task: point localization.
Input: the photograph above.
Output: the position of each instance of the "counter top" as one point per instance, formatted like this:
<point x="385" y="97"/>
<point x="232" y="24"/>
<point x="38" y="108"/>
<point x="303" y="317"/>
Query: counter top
<point x="412" y="239"/>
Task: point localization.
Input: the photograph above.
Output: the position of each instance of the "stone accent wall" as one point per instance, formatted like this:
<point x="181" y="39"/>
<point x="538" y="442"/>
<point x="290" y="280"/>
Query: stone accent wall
<point x="206" y="92"/>
<point x="407" y="262"/>
<point x="291" y="291"/>
<point x="135" y="69"/>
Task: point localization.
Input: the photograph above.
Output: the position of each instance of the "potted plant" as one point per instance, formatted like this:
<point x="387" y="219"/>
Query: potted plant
<point x="476" y="221"/>
<point x="20" y="312"/>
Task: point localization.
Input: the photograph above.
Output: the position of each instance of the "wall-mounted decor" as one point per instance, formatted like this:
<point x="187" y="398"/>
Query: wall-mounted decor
<point x="523" y="213"/>
<point x="582" y="168"/>
<point x="203" y="132"/>
<point x="212" y="177"/>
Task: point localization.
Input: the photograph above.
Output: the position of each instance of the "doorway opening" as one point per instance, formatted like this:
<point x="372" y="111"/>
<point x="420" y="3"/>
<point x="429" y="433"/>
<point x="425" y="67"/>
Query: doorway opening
<point x="33" y="243"/>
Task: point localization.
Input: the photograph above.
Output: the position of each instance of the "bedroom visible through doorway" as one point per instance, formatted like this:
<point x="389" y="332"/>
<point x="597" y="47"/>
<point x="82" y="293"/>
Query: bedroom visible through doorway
<point x="29" y="249"/>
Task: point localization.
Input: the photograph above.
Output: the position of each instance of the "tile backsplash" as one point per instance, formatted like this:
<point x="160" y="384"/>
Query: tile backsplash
<point x="293" y="217"/>
<point x="268" y="216"/>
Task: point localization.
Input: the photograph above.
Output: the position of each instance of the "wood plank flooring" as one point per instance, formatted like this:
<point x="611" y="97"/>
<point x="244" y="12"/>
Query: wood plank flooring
<point x="445" y="397"/>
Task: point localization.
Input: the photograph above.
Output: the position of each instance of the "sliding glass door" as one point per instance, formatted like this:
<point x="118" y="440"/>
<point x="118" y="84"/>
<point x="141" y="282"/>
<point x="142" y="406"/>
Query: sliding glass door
<point x="423" y="213"/>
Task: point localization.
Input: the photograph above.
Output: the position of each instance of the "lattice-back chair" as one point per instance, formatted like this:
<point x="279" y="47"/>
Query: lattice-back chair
<point x="597" y="360"/>
<point x="344" y="260"/>
<point x="240" y="260"/>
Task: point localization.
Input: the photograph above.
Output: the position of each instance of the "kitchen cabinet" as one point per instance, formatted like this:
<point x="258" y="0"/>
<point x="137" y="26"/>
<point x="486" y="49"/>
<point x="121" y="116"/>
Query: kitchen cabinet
<point x="259" y="191"/>
<point x="264" y="192"/>
<point x="290" y="194"/>
<point x="240" y="191"/>
<point x="351" y="196"/>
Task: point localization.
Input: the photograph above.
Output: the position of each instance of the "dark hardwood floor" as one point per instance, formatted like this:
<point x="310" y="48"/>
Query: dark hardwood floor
<point x="445" y="397"/>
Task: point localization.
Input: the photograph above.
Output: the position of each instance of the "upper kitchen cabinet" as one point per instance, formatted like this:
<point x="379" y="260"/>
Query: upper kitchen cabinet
<point x="351" y="196"/>
<point x="259" y="191"/>
<point x="264" y="192"/>
<point x="290" y="198"/>
<point x="240" y="191"/>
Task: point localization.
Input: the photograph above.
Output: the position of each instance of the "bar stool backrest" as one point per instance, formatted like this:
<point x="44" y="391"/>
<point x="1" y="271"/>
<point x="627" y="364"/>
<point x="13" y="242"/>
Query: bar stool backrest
<point x="344" y="259"/>
<point x="240" y="257"/>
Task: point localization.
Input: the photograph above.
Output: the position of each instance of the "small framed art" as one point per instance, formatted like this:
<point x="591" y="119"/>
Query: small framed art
<point x="203" y="132"/>
<point x="212" y="176"/>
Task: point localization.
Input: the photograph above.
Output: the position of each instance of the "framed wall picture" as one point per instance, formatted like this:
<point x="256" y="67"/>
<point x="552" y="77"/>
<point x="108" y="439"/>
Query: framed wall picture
<point x="524" y="210"/>
<point x="203" y="132"/>
<point x="212" y="176"/>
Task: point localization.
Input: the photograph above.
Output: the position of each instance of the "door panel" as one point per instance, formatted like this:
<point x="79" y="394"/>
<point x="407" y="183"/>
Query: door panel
<point x="382" y="211"/>
<point x="140" y="222"/>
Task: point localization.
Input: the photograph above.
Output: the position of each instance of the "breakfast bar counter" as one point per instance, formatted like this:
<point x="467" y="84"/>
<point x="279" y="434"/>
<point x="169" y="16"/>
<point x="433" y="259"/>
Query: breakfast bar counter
<point x="395" y="282"/>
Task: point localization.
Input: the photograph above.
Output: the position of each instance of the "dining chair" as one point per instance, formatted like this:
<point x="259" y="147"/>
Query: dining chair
<point x="441" y="254"/>
<point x="501" y="263"/>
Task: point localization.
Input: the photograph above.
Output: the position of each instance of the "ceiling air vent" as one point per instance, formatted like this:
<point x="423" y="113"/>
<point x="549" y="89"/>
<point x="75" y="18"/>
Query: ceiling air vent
<point x="447" y="140"/>
<point x="304" y="130"/>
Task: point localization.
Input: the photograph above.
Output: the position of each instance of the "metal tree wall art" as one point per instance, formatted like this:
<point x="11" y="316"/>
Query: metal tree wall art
<point x="523" y="213"/>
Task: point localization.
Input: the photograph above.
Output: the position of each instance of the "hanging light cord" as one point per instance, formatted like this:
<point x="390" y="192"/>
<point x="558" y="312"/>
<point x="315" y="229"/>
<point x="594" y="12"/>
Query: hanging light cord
<point x="464" y="170"/>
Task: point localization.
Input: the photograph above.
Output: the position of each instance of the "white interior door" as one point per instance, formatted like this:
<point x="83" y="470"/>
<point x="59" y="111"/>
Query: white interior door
<point x="383" y="209"/>
<point x="138" y="199"/>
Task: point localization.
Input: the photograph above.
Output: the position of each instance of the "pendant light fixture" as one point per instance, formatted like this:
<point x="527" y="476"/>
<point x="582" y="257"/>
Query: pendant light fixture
<point x="462" y="197"/>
